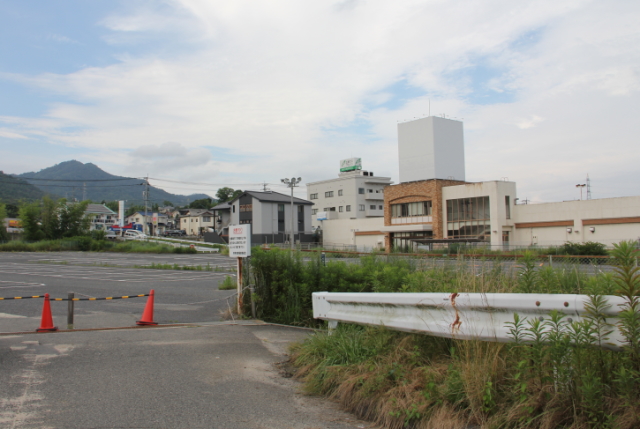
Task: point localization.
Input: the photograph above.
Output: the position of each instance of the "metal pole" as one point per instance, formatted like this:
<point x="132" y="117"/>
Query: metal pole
<point x="240" y="286"/>
<point x="70" y="310"/>
<point x="291" y="218"/>
<point x="253" y="303"/>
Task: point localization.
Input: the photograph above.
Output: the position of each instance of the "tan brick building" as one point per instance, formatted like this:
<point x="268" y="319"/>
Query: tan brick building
<point x="414" y="210"/>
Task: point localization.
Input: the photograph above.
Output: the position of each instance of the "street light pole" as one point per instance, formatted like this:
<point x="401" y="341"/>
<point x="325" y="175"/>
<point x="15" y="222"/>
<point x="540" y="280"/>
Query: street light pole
<point x="581" y="186"/>
<point x="291" y="183"/>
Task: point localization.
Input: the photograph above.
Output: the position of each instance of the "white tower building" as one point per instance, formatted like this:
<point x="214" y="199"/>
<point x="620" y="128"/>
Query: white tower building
<point x="431" y="148"/>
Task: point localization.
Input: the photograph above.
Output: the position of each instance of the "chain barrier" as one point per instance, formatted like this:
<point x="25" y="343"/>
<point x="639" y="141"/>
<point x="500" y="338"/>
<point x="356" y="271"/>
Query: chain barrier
<point x="76" y="299"/>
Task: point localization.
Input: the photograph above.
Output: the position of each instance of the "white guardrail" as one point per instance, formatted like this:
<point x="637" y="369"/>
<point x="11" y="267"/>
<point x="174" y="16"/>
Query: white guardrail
<point x="462" y="316"/>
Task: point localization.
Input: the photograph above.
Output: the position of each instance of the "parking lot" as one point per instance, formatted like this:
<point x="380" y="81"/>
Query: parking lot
<point x="181" y="296"/>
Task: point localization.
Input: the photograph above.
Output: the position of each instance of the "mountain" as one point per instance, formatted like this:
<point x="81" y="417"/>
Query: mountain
<point x="73" y="179"/>
<point x="14" y="190"/>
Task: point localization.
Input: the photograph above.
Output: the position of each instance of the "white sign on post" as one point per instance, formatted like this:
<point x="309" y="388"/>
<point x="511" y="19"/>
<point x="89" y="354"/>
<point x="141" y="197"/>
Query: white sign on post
<point x="240" y="241"/>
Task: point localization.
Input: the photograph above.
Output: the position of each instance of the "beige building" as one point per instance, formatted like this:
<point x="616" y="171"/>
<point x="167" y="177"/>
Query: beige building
<point x="196" y="221"/>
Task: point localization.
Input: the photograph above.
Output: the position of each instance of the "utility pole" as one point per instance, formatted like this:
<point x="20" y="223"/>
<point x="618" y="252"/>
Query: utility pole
<point x="291" y="183"/>
<point x="145" y="194"/>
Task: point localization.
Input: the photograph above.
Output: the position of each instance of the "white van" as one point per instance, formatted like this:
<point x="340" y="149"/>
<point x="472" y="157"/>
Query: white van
<point x="134" y="235"/>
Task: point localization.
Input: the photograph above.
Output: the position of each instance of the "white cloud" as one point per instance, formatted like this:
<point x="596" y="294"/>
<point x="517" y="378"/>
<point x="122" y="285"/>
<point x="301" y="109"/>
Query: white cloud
<point x="264" y="82"/>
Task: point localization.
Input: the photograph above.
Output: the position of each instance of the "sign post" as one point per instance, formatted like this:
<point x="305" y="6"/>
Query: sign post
<point x="240" y="247"/>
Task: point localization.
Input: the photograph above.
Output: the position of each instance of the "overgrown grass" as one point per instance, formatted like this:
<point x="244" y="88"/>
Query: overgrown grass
<point x="228" y="283"/>
<point x="88" y="244"/>
<point x="553" y="375"/>
<point x="285" y="281"/>
<point x="178" y="267"/>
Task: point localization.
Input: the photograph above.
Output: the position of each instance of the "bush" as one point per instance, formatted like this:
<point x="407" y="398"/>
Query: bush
<point x="228" y="283"/>
<point x="590" y="248"/>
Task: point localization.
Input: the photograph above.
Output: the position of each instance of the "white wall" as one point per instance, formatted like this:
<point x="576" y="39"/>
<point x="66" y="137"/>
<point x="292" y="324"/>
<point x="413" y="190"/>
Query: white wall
<point x="431" y="148"/>
<point x="342" y="231"/>
<point x="577" y="211"/>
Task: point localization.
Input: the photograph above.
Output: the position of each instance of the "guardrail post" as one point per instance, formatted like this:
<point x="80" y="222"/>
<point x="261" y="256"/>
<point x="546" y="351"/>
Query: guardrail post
<point x="550" y="261"/>
<point x="70" y="310"/>
<point x="333" y="324"/>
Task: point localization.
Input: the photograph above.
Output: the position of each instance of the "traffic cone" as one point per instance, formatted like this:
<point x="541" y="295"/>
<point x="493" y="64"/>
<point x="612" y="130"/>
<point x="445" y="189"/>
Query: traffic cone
<point x="46" y="325"/>
<point x="147" y="315"/>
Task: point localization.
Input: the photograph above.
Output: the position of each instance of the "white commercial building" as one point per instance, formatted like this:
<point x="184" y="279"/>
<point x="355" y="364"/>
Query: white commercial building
<point x="354" y="194"/>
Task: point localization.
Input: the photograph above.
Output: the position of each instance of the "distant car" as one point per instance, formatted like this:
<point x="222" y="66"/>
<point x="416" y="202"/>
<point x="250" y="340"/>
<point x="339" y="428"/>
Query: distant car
<point x="174" y="233"/>
<point x="111" y="235"/>
<point x="134" y="235"/>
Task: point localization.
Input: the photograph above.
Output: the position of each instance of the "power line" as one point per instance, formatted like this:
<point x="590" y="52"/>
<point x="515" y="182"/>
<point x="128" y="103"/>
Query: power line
<point x="77" y="180"/>
<point x="68" y="186"/>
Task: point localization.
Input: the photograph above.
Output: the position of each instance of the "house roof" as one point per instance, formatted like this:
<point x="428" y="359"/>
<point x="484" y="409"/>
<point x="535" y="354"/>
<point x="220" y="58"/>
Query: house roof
<point x="222" y="206"/>
<point x="147" y="214"/>
<point x="198" y="213"/>
<point x="272" y="197"/>
<point x="99" y="209"/>
<point x="195" y="212"/>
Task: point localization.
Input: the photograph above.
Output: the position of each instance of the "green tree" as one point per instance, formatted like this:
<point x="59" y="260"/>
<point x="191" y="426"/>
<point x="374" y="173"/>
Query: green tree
<point x="225" y="194"/>
<point x="30" y="218"/>
<point x="4" y="236"/>
<point x="167" y="203"/>
<point x="204" y="203"/>
<point x="12" y="210"/>
<point x="50" y="220"/>
<point x="73" y="220"/>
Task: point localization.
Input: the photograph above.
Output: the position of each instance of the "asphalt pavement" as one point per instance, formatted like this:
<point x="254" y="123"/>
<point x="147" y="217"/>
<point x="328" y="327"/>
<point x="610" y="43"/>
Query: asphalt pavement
<point x="207" y="376"/>
<point x="206" y="373"/>
<point x="181" y="296"/>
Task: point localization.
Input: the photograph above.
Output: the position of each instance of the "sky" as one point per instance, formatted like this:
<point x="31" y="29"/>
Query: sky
<point x="199" y="94"/>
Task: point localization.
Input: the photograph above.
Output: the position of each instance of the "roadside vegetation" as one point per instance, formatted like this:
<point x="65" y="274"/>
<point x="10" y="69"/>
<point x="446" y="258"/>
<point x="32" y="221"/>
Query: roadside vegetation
<point x="89" y="243"/>
<point x="553" y="374"/>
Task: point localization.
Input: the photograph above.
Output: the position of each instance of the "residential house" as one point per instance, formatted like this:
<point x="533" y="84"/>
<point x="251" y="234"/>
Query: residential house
<point x="270" y="216"/>
<point x="196" y="221"/>
<point x="102" y="217"/>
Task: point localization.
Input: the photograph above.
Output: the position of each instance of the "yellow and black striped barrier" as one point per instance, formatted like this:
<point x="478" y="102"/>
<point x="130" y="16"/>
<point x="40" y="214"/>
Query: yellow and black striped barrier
<point x="47" y="319"/>
<point x="76" y="299"/>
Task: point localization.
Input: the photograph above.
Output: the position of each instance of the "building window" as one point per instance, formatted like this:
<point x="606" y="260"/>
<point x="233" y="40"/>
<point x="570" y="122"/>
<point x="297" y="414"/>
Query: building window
<point x="340" y="209"/>
<point x="329" y="209"/>
<point x="370" y="191"/>
<point x="233" y="208"/>
<point x="314" y="211"/>
<point x="328" y="194"/>
<point x="380" y="207"/>
<point x="361" y="207"/>
<point x="372" y="207"/>
<point x="206" y="219"/>
<point x="348" y="208"/>
<point x="361" y="190"/>
<point x="313" y="196"/>
<point x="339" y="192"/>
<point x="469" y="218"/>
<point x="422" y="208"/>
<point x="281" y="207"/>
<point x="246" y="207"/>
<point x="507" y="204"/>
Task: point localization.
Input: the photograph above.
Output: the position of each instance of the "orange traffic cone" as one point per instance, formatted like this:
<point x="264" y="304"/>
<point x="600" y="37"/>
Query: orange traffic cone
<point x="46" y="325"/>
<point x="147" y="315"/>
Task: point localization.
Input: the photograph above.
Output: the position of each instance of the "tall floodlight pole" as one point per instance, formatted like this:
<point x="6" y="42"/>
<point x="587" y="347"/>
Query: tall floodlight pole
<point x="292" y="183"/>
